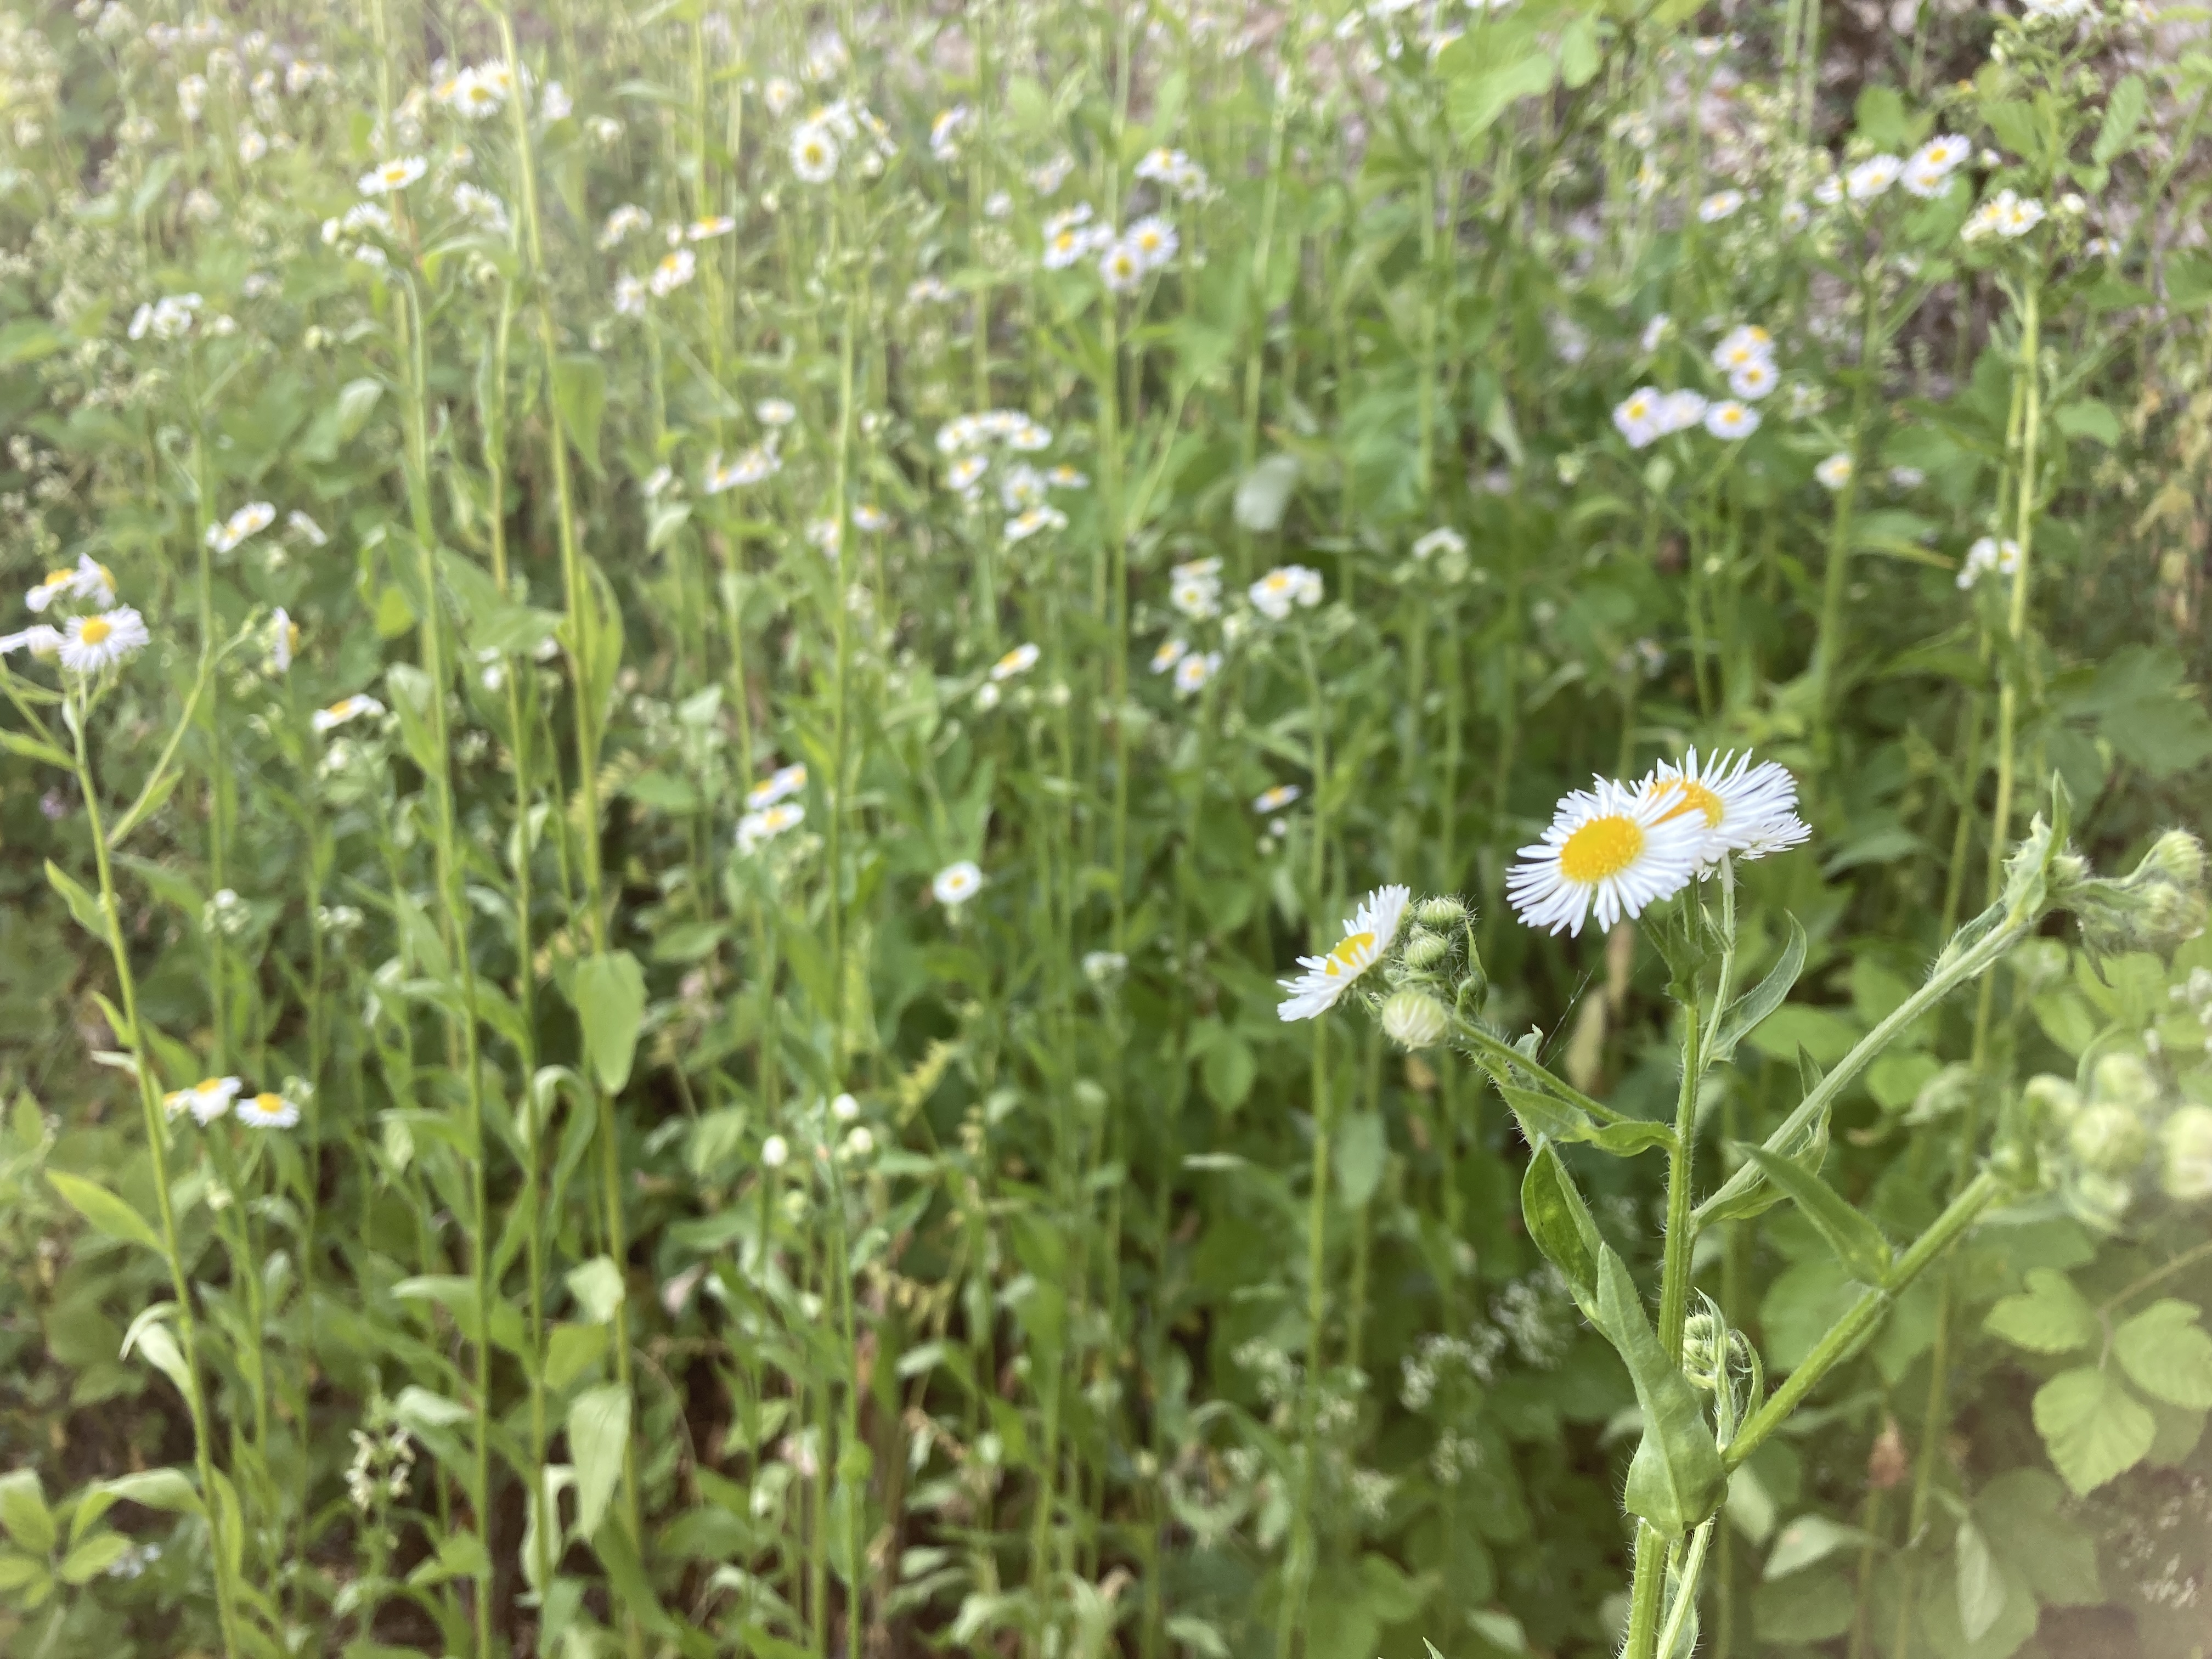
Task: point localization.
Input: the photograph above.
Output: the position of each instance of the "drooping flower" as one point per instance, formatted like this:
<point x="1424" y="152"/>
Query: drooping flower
<point x="1022" y="525"/>
<point x="702" y="230"/>
<point x="755" y="465"/>
<point x="780" y="785"/>
<point x="249" y="520"/>
<point x="1268" y="802"/>
<point x="956" y="883"/>
<point x="90" y="644"/>
<point x="1442" y="539"/>
<point x="1367" y="936"/>
<point x="622" y="223"/>
<point x="676" y="267"/>
<point x="1608" y="849"/>
<point x="87" y="582"/>
<point x="1020" y="660"/>
<point x="1721" y="204"/>
<point x="1748" y="811"/>
<point x="1167" y="653"/>
<point x="283" y="640"/>
<point x="39" y="640"/>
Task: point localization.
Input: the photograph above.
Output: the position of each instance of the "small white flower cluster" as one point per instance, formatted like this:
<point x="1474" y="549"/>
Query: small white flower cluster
<point x="1619" y="847"/>
<point x="2007" y="215"/>
<point x="1124" y="260"/>
<point x="1172" y="171"/>
<point x="967" y="440"/>
<point x="169" y="318"/>
<point x="213" y="1098"/>
<point x="1287" y="585"/>
<point x="819" y="142"/>
<point x="755" y="465"/>
<point x="479" y="91"/>
<point x="1746" y="355"/>
<point x="99" y="638"/>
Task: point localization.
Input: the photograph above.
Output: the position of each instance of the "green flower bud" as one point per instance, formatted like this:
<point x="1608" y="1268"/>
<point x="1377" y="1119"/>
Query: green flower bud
<point x="1424" y="950"/>
<point x="2051" y="1101"/>
<point x="1705" y="1349"/>
<point x="2185" y="1173"/>
<point x="1413" y="1020"/>
<point x="1442" y="912"/>
<point x="2125" y="1078"/>
<point x="2109" y="1139"/>
<point x="2101" y="1200"/>
<point x="2176" y="858"/>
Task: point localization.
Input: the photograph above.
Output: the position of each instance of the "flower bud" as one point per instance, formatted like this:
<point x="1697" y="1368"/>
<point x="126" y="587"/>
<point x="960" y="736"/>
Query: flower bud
<point x="2109" y="1139"/>
<point x="2051" y="1101"/>
<point x="1705" y="1349"/>
<point x="2185" y="1175"/>
<point x="1425" y="950"/>
<point x="2101" y="1200"/>
<point x="1413" y="1020"/>
<point x="2123" y="1079"/>
<point x="1443" y="912"/>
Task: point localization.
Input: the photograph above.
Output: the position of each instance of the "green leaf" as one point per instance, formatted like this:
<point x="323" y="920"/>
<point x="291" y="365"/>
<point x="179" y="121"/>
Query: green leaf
<point x="25" y="1577"/>
<point x="2093" y="1428"/>
<point x="167" y="1490"/>
<point x="2167" y="1354"/>
<point x="597" y="1287"/>
<point x="31" y="749"/>
<point x="1808" y="1539"/>
<point x="608" y="991"/>
<point x="23" y="1512"/>
<point x="1981" y="1587"/>
<point x="410" y="692"/>
<point x="598" y="1434"/>
<point x="93" y="1557"/>
<point x="1474" y="102"/>
<point x="580" y="393"/>
<point x="2123" y="112"/>
<point x="357" y="401"/>
<point x="2088" y="418"/>
<point x="159" y="1344"/>
<point x="1578" y="51"/>
<point x="1745" y="1014"/>
<point x="83" y="904"/>
<point x="1362" y="1152"/>
<point x="2049" y="1317"/>
<point x="2025" y="1515"/>
<point x="1542" y="1115"/>
<point x="104" y="1210"/>
<point x="1561" y="1226"/>
<point x="1676" y="1478"/>
<point x="1856" y="1242"/>
<point x="418" y="1408"/>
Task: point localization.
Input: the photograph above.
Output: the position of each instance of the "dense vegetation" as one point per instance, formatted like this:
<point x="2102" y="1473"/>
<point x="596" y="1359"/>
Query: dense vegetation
<point x="688" y="676"/>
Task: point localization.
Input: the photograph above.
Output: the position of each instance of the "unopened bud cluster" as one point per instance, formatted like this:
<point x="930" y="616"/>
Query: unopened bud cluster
<point x="2117" y="1133"/>
<point x="1433" y="977"/>
<point x="2159" y="907"/>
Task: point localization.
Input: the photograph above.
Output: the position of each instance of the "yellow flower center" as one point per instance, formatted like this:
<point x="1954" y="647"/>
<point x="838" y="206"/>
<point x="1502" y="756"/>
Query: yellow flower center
<point x="1693" y="794"/>
<point x="272" y="1104"/>
<point x="341" y="709"/>
<point x="1602" y="847"/>
<point x="1348" y="958"/>
<point x="57" y="578"/>
<point x="95" y="629"/>
<point x="207" y="1085"/>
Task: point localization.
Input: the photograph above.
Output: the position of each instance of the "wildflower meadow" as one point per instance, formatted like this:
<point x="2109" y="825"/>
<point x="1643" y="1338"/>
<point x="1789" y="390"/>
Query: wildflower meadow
<point x="1185" y="829"/>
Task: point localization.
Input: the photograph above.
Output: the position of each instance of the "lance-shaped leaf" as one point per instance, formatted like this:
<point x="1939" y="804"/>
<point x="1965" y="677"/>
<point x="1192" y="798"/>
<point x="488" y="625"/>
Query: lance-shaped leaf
<point x="1856" y="1240"/>
<point x="1562" y="1226"/>
<point x="1541" y="1116"/>
<point x="1763" y="998"/>
<point x="1676" y="1478"/>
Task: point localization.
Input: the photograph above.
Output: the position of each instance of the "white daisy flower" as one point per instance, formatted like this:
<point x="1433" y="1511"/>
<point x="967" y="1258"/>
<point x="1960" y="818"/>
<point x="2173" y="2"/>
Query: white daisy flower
<point x="956" y="883"/>
<point x="1989" y="556"/>
<point x="268" y="1111"/>
<point x="780" y="785"/>
<point x="208" y="1099"/>
<point x="1836" y="472"/>
<point x="1026" y="436"/>
<point x="944" y="132"/>
<point x="386" y="177"/>
<point x="629" y="296"/>
<point x="1268" y="802"/>
<point x="1195" y="671"/>
<point x="1932" y="165"/>
<point x="1872" y="177"/>
<point x="756" y="465"/>
<point x="1608" y="849"/>
<point x="1167" y="653"/>
<point x="775" y="411"/>
<point x="1730" y="419"/>
<point x="1287" y="585"/>
<point x="1022" y="525"/>
<point x="1681" y="411"/>
<point x="1153" y="240"/>
<point x="779" y="94"/>
<point x="1721" y="204"/>
<point x="1748" y="811"/>
<point x="765" y="825"/>
<point x="39" y="640"/>
<point x="1637" y="417"/>
<point x="867" y="516"/>
<point x="676" y="267"/>
<point x="1655" y="333"/>
<point x="1121" y="268"/>
<point x="1020" y="660"/>
<point x="360" y="706"/>
<point x="249" y="520"/>
<point x="90" y="644"/>
<point x="1746" y="342"/>
<point x="702" y="230"/>
<point x="1367" y="936"/>
<point x="622" y="223"/>
<point x="283" y="640"/>
<point x="964" y="474"/>
<point x="1754" y="379"/>
<point x="814" y="152"/>
<point x="85" y="581"/>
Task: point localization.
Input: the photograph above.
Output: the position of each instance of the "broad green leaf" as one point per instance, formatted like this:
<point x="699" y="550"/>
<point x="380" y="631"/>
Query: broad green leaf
<point x="83" y="904"/>
<point x="1857" y="1243"/>
<point x="2093" y="1428"/>
<point x="168" y="1490"/>
<point x="1542" y="1116"/>
<point x="598" y="1434"/>
<point x="1676" y="1478"/>
<point x="23" y="1512"/>
<point x="2049" y="1317"/>
<point x="1745" y="1014"/>
<point x="1981" y="1588"/>
<point x="410" y="692"/>
<point x="1808" y="1539"/>
<point x="2123" y="112"/>
<point x="93" y="1557"/>
<point x="608" y="991"/>
<point x="104" y="1210"/>
<point x="2032" y="1531"/>
<point x="1475" y="102"/>
<point x="418" y="1408"/>
<point x="2167" y="1354"/>
<point x="159" y="1344"/>
<point x="597" y="1287"/>
<point x="1561" y="1225"/>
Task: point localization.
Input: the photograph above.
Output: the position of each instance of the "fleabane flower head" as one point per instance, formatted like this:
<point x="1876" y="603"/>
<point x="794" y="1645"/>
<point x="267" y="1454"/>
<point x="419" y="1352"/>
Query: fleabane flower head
<point x="1721" y="204"/>
<point x="1746" y="342"/>
<point x="1017" y="661"/>
<point x="1608" y="849"/>
<point x="1929" y="170"/>
<point x="779" y="785"/>
<point x="756" y="465"/>
<point x="1165" y="655"/>
<point x="249" y="520"/>
<point x="1286" y="586"/>
<point x="39" y="640"/>
<point x="1872" y="177"/>
<point x="1755" y="379"/>
<point x="1037" y="520"/>
<point x="1680" y="411"/>
<point x="268" y="1111"/>
<point x="1194" y="671"/>
<point x="1268" y="802"/>
<point x="86" y="582"/>
<point x="956" y="883"/>
<point x="1636" y="416"/>
<point x="2007" y="215"/>
<point x="1442" y="539"/>
<point x="814" y="151"/>
<point x="1367" y="938"/>
<point x="207" y="1100"/>
<point x="360" y="706"/>
<point x="1153" y="240"/>
<point x="90" y="644"/>
<point x="387" y="177"/>
<point x="1747" y="811"/>
<point x="1989" y="556"/>
<point x="623" y="222"/>
<point x="1730" y="419"/>
<point x="1835" y="471"/>
<point x="1121" y="268"/>
<point x="676" y="267"/>
<point x="702" y="230"/>
<point x="756" y="828"/>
